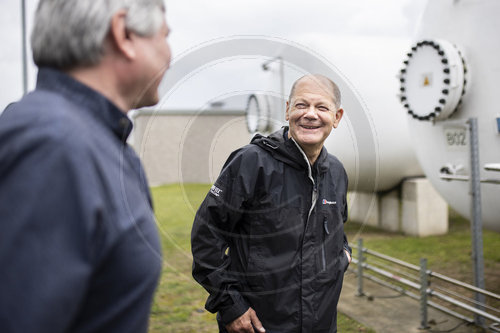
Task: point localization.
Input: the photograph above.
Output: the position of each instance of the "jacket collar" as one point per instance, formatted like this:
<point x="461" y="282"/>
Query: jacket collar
<point x="99" y="107"/>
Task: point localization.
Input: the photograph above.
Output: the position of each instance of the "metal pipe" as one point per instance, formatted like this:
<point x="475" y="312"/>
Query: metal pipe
<point x="433" y="293"/>
<point x="414" y="296"/>
<point x="393" y="276"/>
<point x="465" y="285"/>
<point x="492" y="167"/>
<point x="423" y="294"/>
<point x="360" y="267"/>
<point x="450" y="312"/>
<point x="395" y="270"/>
<point x="431" y="273"/>
<point x="467" y="299"/>
<point x="476" y="218"/>
<point x="464" y="306"/>
<point x="391" y="259"/>
<point x="464" y="178"/>
<point x="478" y="312"/>
<point x="391" y="286"/>
<point x="282" y="84"/>
<point x="24" y="55"/>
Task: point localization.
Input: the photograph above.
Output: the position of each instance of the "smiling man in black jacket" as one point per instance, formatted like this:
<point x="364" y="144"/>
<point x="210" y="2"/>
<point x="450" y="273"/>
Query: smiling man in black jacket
<point x="268" y="241"/>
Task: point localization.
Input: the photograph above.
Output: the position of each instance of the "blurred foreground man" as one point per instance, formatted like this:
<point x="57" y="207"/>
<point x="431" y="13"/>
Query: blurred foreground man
<point x="268" y="241"/>
<point x="79" y="249"/>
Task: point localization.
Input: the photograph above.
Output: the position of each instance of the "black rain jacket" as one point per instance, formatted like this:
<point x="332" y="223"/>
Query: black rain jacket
<point x="269" y="235"/>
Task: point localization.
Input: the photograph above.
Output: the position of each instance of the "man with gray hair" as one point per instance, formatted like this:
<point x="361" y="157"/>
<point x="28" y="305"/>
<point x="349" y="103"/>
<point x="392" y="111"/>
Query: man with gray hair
<point x="79" y="248"/>
<point x="268" y="241"/>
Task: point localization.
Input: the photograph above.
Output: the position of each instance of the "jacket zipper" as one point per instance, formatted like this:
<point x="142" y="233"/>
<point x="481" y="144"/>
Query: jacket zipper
<point x="314" y="195"/>
<point x="314" y="198"/>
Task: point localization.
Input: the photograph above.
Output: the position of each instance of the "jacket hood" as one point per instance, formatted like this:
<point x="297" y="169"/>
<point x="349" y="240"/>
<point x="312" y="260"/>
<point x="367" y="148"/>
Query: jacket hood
<point x="286" y="150"/>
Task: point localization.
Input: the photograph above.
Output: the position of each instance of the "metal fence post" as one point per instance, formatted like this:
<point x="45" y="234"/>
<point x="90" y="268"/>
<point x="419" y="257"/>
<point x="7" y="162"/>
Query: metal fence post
<point x="23" y="39"/>
<point x="360" y="267"/>
<point x="476" y="220"/>
<point x="423" y="294"/>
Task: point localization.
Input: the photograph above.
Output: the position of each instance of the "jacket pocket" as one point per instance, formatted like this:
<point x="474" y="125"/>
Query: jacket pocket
<point x="274" y="243"/>
<point x="326" y="232"/>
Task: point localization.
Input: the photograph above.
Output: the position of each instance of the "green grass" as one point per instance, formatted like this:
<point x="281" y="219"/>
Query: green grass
<point x="179" y="302"/>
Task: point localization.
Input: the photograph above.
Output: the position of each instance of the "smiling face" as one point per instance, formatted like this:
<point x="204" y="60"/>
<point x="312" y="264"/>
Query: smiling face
<point x="312" y="113"/>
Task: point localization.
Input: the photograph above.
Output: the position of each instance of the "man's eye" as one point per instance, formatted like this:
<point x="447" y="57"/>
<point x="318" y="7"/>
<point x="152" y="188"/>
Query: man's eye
<point x="300" y="106"/>
<point x="323" y="108"/>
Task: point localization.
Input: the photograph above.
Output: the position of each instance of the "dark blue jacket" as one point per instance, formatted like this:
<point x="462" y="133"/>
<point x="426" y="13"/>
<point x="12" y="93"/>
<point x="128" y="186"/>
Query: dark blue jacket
<point x="79" y="249"/>
<point x="269" y="235"/>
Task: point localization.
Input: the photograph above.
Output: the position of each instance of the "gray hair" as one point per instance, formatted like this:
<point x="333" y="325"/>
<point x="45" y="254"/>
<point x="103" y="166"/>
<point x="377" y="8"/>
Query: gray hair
<point x="320" y="79"/>
<point x="71" y="33"/>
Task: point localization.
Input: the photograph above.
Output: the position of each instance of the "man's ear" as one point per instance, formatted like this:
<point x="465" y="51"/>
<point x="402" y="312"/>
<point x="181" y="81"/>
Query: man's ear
<point x="286" y="112"/>
<point x="338" y="115"/>
<point x="119" y="35"/>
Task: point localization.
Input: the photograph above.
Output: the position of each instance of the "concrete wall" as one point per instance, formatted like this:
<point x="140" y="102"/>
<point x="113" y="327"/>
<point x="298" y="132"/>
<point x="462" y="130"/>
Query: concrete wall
<point x="415" y="209"/>
<point x="186" y="146"/>
<point x="424" y="211"/>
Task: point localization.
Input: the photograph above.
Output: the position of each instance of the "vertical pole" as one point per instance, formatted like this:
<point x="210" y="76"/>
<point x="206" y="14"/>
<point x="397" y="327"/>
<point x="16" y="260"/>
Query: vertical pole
<point x="423" y="294"/>
<point x="282" y="88"/>
<point x="24" y="55"/>
<point x="360" y="267"/>
<point x="476" y="221"/>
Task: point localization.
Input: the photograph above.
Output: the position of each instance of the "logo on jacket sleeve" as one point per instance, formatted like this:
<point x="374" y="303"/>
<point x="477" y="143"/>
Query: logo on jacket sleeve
<point x="215" y="190"/>
<point x="326" y="202"/>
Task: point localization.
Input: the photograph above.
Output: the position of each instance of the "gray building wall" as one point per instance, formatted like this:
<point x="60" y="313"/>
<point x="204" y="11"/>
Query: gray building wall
<point x="187" y="146"/>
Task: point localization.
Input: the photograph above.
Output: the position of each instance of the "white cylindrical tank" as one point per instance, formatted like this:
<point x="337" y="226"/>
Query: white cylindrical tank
<point x="372" y="139"/>
<point x="450" y="75"/>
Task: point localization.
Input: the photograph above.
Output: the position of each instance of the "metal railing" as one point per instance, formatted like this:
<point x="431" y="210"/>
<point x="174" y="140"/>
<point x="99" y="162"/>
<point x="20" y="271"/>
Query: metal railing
<point x="397" y="279"/>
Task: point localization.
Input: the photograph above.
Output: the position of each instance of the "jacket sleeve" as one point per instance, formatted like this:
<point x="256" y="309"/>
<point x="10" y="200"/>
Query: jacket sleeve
<point x="213" y="226"/>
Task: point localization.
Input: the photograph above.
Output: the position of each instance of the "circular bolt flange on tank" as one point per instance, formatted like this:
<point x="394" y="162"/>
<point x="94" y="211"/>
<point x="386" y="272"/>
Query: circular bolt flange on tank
<point x="433" y="80"/>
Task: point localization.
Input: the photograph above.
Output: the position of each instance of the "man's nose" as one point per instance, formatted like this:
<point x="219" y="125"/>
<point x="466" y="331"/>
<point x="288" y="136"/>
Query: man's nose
<point x="311" y="112"/>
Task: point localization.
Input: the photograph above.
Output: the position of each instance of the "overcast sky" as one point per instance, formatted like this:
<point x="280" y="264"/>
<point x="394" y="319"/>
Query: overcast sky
<point x="345" y="32"/>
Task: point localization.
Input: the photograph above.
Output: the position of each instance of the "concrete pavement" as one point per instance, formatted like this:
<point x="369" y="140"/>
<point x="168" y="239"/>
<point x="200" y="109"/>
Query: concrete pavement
<point x="394" y="314"/>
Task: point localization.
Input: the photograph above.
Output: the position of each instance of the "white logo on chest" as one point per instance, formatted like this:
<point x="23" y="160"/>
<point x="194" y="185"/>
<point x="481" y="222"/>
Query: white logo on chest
<point x="215" y="190"/>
